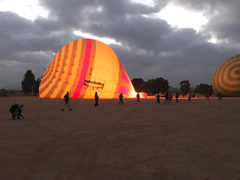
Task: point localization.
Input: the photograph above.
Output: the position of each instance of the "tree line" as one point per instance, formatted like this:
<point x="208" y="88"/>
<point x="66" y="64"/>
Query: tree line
<point x="30" y="85"/>
<point x="154" y="86"/>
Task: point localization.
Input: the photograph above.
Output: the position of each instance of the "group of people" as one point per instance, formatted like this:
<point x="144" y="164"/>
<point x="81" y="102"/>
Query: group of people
<point x="121" y="98"/>
<point x="168" y="99"/>
<point x="66" y="100"/>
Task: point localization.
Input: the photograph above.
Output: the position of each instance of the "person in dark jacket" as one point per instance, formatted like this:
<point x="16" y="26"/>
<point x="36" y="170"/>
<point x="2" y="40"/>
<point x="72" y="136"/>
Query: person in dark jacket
<point x="177" y="95"/>
<point x="158" y="98"/>
<point x="66" y="101"/>
<point x="166" y="98"/>
<point x="189" y="97"/>
<point x="96" y="99"/>
<point x="138" y="97"/>
<point x="120" y="99"/>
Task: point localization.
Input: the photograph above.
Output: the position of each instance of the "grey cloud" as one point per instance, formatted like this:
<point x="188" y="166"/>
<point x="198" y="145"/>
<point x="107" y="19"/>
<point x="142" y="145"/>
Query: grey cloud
<point x="150" y="47"/>
<point x="223" y="17"/>
<point x="19" y="34"/>
<point x="135" y="32"/>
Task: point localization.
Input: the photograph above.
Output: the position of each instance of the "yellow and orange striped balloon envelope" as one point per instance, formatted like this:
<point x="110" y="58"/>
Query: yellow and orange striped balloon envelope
<point x="83" y="67"/>
<point x="226" y="80"/>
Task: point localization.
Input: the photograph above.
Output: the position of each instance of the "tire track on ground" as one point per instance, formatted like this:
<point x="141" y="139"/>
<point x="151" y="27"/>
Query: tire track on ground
<point x="90" y="164"/>
<point x="59" y="141"/>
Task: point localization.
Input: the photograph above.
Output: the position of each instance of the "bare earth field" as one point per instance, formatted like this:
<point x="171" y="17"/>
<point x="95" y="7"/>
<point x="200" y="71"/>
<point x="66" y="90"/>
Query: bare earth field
<point x="198" y="140"/>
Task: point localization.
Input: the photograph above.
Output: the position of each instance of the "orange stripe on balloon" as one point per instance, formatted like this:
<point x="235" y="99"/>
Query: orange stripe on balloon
<point x="78" y="65"/>
<point x="49" y="69"/>
<point x="122" y="66"/>
<point x="71" y="69"/>
<point x="77" y="68"/>
<point x="126" y="78"/>
<point x="59" y="78"/>
<point x="47" y="74"/>
<point x="74" y="49"/>
<point x="124" y="90"/>
<point x="84" y="69"/>
<point x="89" y="69"/>
<point x="52" y="75"/>
<point x="65" y="86"/>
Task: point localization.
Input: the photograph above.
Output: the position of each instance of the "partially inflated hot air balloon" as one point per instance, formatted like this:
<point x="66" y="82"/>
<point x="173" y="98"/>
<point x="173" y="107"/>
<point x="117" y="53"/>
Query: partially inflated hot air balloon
<point x="83" y="67"/>
<point x="226" y="80"/>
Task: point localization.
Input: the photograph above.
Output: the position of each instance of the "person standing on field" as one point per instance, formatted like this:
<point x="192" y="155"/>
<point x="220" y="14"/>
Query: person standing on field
<point x="138" y="97"/>
<point x="66" y="99"/>
<point x="120" y="99"/>
<point x="96" y="99"/>
<point x="158" y="98"/>
<point x="177" y="95"/>
<point x="189" y="97"/>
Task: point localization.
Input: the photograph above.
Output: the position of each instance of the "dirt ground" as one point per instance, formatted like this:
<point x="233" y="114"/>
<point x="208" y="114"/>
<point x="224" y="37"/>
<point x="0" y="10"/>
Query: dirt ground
<point x="197" y="140"/>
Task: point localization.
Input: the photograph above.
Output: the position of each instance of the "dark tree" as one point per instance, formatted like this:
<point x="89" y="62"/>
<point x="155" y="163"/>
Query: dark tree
<point x="149" y="86"/>
<point x="28" y="82"/>
<point x="185" y="86"/>
<point x="146" y="87"/>
<point x="157" y="85"/>
<point x="36" y="85"/>
<point x="161" y="85"/>
<point x="138" y="84"/>
<point x="203" y="89"/>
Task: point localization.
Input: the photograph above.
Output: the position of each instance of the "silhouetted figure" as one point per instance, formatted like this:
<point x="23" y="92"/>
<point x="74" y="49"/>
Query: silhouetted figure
<point x="120" y="99"/>
<point x="219" y="96"/>
<point x="96" y="99"/>
<point x="16" y="111"/>
<point x="177" y="95"/>
<point x="66" y="99"/>
<point x="166" y="97"/>
<point x="189" y="97"/>
<point x="207" y="96"/>
<point x="169" y="97"/>
<point x="138" y="97"/>
<point x="158" y="98"/>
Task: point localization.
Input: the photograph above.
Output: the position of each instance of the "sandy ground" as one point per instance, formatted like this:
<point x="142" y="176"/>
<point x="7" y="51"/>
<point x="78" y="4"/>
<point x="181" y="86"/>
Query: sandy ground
<point x="198" y="140"/>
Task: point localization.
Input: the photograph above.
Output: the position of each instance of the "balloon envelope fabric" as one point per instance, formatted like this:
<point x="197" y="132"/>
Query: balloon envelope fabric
<point x="83" y="67"/>
<point x="226" y="80"/>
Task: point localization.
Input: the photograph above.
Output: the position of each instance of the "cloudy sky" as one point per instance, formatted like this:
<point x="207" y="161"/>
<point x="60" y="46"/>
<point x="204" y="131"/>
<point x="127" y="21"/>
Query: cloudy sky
<point x="174" y="39"/>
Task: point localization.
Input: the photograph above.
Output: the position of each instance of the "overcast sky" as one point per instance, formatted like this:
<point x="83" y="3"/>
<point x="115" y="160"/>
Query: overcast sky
<point x="175" y="39"/>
